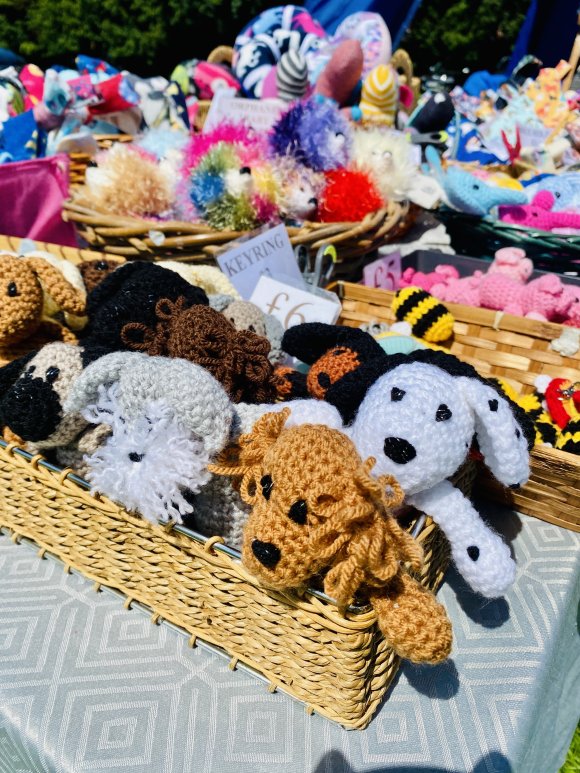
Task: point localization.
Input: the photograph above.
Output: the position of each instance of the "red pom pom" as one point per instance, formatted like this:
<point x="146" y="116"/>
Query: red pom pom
<point x="349" y="196"/>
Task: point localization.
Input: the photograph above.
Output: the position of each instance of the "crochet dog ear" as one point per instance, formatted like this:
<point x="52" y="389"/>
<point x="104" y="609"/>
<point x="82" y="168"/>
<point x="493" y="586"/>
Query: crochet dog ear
<point x="107" y="370"/>
<point x="311" y="340"/>
<point x="68" y="297"/>
<point x="503" y="433"/>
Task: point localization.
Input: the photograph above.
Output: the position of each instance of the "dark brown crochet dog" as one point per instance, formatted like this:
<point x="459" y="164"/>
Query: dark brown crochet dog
<point x="238" y="359"/>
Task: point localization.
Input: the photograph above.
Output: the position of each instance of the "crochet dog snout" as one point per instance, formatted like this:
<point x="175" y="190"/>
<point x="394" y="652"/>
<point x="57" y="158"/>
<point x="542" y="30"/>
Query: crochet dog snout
<point x="266" y="553"/>
<point x="399" y="450"/>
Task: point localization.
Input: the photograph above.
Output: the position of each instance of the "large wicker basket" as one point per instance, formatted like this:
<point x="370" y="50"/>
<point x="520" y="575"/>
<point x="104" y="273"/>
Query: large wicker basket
<point x="518" y="350"/>
<point x="133" y="238"/>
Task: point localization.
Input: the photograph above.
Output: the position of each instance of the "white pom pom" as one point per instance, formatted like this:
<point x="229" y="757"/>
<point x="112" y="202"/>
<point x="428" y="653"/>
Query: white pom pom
<point x="541" y="383"/>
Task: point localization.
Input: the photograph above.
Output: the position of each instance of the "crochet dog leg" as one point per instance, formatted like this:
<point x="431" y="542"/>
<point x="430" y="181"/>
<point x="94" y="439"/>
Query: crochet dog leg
<point x="412" y="620"/>
<point x="481" y="556"/>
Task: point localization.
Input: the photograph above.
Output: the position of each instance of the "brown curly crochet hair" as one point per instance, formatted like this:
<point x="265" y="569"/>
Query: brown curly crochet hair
<point x="238" y="359"/>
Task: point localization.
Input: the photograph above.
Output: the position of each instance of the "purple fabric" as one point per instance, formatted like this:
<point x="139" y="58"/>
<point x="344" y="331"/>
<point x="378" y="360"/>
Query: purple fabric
<point x="32" y="194"/>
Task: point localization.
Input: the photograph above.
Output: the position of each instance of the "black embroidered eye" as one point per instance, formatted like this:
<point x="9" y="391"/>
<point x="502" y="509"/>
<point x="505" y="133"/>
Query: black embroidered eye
<point x="476" y="187"/>
<point x="473" y="552"/>
<point x="339" y="134"/>
<point x="31" y="369"/>
<point x="101" y="265"/>
<point x="557" y="194"/>
<point x="443" y="413"/>
<point x="493" y="405"/>
<point x="52" y="374"/>
<point x="324" y="380"/>
<point x="12" y="290"/>
<point x="267" y="485"/>
<point x="245" y="170"/>
<point x="518" y="433"/>
<point x="297" y="512"/>
<point x="252" y="328"/>
<point x="397" y="394"/>
<point x="135" y="457"/>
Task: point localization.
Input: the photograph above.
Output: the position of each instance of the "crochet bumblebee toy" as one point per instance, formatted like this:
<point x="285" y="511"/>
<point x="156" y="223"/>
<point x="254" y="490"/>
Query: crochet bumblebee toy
<point x="426" y="316"/>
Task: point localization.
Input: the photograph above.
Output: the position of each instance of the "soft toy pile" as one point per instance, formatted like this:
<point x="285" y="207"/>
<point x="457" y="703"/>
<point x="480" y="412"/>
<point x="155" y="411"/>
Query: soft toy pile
<point x="179" y="404"/>
<point x="506" y="286"/>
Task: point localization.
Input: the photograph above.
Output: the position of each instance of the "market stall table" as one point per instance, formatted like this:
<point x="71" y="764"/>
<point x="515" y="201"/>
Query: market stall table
<point x="88" y="685"/>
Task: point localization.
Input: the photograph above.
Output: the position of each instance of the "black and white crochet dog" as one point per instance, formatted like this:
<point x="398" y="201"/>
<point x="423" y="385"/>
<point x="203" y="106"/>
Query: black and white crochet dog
<point x="418" y="415"/>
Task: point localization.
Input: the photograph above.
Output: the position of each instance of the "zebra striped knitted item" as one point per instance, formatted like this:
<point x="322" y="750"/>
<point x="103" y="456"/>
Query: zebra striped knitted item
<point x="291" y="76"/>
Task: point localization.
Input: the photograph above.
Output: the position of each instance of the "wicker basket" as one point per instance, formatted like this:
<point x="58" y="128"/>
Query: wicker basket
<point x="518" y="350"/>
<point x="338" y="665"/>
<point x="482" y="236"/>
<point x="79" y="161"/>
<point x="132" y="237"/>
<point x="12" y="244"/>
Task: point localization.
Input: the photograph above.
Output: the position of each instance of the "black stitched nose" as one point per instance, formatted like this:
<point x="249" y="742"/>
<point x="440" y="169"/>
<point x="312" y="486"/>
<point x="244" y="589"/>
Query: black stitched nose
<point x="135" y="457"/>
<point x="399" y="450"/>
<point x="324" y="380"/>
<point x="313" y="201"/>
<point x="266" y="553"/>
<point x="20" y="409"/>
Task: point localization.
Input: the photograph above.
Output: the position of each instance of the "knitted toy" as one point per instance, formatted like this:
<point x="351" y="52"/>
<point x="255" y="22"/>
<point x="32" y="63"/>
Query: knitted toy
<point x="74" y="277"/>
<point x="299" y="188"/>
<point x="564" y="187"/>
<point x="210" y="279"/>
<point x="545" y="298"/>
<point x="332" y="352"/>
<point x="348" y="196"/>
<point x="34" y="389"/>
<point x="380" y="94"/>
<point x="94" y="271"/>
<point x="238" y="359"/>
<point x="342" y="74"/>
<point x="130" y="294"/>
<point x="247" y="316"/>
<point x="168" y="418"/>
<point x="315" y="507"/>
<point x="388" y="157"/>
<point x="26" y="283"/>
<point x="314" y="133"/>
<point x="512" y="262"/>
<point x="129" y="181"/>
<point x="468" y="193"/>
<point x="428" y="318"/>
<point x="417" y="415"/>
<point x="562" y="400"/>
<point x="539" y="214"/>
<point x="441" y="275"/>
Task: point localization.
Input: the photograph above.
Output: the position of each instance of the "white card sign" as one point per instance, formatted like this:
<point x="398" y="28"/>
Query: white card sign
<point x="260" y="114"/>
<point x="293" y="306"/>
<point x="269" y="253"/>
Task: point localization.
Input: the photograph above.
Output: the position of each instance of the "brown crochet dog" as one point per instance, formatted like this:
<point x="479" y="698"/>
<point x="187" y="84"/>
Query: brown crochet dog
<point x="23" y="283"/>
<point x="238" y="359"/>
<point x="316" y="506"/>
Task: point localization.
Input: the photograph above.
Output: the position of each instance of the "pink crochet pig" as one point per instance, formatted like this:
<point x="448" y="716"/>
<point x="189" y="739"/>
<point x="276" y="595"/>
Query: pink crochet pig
<point x="546" y="298"/>
<point x="412" y="278"/>
<point x="512" y="262"/>
<point x="538" y="214"/>
<point x="463" y="290"/>
<point x="573" y="316"/>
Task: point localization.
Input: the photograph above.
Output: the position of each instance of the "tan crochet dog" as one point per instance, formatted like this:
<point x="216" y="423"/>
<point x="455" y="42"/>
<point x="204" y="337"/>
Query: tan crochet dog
<point x="315" y="506"/>
<point x="23" y="285"/>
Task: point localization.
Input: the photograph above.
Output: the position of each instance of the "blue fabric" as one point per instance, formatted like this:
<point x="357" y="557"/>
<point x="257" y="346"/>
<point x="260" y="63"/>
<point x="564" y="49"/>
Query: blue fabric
<point x="397" y="13"/>
<point x="9" y="58"/>
<point x="482" y="81"/>
<point x="21" y="138"/>
<point x="90" y="65"/>
<point x="548" y="32"/>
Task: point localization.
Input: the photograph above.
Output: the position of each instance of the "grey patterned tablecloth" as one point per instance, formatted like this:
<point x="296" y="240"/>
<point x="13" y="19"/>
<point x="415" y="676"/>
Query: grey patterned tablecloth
<point x="86" y="685"/>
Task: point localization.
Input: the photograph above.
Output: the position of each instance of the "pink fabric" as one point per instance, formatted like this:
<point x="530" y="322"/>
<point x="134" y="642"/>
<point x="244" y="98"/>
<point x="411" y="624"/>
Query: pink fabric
<point x="32" y="194"/>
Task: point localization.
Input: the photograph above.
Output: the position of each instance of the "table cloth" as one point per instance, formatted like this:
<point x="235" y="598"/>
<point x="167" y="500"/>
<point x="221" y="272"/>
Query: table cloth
<point x="87" y="685"/>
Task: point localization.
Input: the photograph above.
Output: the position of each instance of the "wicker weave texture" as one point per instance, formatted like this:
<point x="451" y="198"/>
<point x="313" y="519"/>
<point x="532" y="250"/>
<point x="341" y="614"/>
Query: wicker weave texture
<point x="12" y="244"/>
<point x="339" y="665"/>
<point x="518" y="350"/>
<point x="131" y="237"/>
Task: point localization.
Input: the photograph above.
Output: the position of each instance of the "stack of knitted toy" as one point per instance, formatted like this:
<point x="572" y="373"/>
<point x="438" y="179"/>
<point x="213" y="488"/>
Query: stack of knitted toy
<point x="503" y="287"/>
<point x="168" y="406"/>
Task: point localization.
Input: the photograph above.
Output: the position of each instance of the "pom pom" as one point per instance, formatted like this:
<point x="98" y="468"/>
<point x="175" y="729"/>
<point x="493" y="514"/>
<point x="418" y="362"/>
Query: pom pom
<point x="349" y="196"/>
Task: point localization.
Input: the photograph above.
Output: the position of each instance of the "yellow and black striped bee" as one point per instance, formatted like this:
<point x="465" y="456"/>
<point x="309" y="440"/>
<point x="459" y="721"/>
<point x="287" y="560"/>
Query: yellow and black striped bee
<point x="428" y="317"/>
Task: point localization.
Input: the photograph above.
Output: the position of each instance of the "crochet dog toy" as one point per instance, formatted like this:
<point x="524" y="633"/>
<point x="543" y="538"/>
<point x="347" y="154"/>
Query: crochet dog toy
<point x="33" y="390"/>
<point x="25" y="284"/>
<point x="94" y="271"/>
<point x="315" y="506"/>
<point x="314" y="133"/>
<point x="168" y="419"/>
<point x="238" y="359"/>
<point x="417" y="414"/>
<point x="130" y="294"/>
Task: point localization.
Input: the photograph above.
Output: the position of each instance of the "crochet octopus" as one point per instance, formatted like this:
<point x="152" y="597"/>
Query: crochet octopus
<point x="315" y="506"/>
<point x="238" y="359"/>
